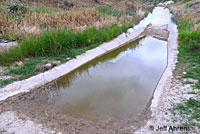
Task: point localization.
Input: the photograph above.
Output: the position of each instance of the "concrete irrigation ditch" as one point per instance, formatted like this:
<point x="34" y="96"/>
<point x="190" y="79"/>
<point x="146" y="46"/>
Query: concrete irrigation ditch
<point x="159" y="22"/>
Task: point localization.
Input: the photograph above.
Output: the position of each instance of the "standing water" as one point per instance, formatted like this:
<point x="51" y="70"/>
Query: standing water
<point x="119" y="84"/>
<point x="110" y="92"/>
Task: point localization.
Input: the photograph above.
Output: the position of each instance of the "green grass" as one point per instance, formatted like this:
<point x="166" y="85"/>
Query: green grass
<point x="112" y="12"/>
<point x="61" y="41"/>
<point x="189" y="54"/>
<point x="190" y="112"/>
<point x="54" y="45"/>
<point x="6" y="82"/>
<point x="189" y="50"/>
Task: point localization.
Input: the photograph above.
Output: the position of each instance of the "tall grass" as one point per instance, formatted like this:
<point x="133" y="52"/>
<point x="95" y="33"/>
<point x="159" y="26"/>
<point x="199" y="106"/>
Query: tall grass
<point x="189" y="38"/>
<point x="60" y="41"/>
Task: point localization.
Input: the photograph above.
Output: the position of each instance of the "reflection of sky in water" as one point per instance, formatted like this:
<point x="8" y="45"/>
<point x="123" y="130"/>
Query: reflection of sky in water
<point x="118" y="87"/>
<point x="3" y="44"/>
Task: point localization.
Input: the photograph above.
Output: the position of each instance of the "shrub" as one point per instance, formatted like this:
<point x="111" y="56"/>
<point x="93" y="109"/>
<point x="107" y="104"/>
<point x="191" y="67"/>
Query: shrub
<point x="68" y="4"/>
<point x="96" y="1"/>
<point x="14" y="7"/>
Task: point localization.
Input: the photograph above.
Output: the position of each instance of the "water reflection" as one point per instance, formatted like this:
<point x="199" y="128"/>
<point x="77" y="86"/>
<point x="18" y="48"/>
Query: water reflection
<point x="118" y="84"/>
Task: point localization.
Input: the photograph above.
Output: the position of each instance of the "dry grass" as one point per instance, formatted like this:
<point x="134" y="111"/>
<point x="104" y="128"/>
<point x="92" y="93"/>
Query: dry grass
<point x="49" y="14"/>
<point x="189" y="11"/>
<point x="34" y="23"/>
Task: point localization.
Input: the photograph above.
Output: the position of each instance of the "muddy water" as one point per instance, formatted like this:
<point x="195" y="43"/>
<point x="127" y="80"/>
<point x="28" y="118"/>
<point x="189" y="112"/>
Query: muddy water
<point x="119" y="84"/>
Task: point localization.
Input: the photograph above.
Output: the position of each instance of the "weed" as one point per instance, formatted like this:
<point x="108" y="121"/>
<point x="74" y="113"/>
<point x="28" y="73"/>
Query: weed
<point x="6" y="82"/>
<point x="17" y="7"/>
<point x="68" y="4"/>
<point x="191" y="4"/>
<point x="110" y="11"/>
<point x="190" y="109"/>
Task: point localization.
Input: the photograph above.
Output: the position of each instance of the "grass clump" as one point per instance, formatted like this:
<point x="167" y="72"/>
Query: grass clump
<point x="16" y="7"/>
<point x="190" y="112"/>
<point x="68" y="4"/>
<point x="191" y="40"/>
<point x="112" y="12"/>
<point x="55" y="42"/>
<point x="189" y="50"/>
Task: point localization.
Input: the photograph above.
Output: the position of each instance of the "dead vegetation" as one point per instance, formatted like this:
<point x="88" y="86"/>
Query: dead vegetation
<point x="189" y="11"/>
<point x="32" y="17"/>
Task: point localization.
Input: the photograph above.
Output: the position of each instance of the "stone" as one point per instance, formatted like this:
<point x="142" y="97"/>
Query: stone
<point x="55" y="63"/>
<point x="19" y="63"/>
<point x="44" y="67"/>
<point x="68" y="58"/>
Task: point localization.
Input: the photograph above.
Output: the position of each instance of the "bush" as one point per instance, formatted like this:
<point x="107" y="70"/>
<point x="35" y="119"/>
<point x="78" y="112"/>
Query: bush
<point x="14" y="7"/>
<point x="68" y="4"/>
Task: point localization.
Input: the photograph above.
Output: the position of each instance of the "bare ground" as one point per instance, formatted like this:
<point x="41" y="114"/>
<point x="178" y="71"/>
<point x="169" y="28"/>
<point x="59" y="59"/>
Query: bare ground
<point x="174" y="94"/>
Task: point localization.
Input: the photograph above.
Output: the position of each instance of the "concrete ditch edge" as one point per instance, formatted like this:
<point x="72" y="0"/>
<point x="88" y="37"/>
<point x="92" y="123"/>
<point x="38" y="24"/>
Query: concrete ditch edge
<point x="164" y="83"/>
<point x="59" y="71"/>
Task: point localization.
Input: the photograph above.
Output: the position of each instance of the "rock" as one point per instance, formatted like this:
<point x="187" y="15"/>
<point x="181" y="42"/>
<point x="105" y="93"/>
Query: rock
<point x="55" y="63"/>
<point x="191" y="80"/>
<point x="48" y="66"/>
<point x="68" y="58"/>
<point x="53" y="132"/>
<point x="44" y="67"/>
<point x="59" y="133"/>
<point x="19" y="63"/>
